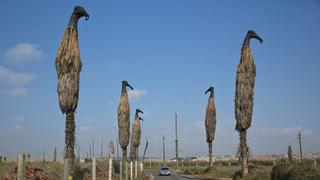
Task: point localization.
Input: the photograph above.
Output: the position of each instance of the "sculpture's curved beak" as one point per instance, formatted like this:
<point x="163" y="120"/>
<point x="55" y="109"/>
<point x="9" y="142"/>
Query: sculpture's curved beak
<point x="139" y="111"/>
<point x="128" y="85"/>
<point x="209" y="90"/>
<point x="256" y="36"/>
<point x="87" y="16"/>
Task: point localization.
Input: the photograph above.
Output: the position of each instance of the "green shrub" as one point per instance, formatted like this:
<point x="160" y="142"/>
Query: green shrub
<point x="296" y="171"/>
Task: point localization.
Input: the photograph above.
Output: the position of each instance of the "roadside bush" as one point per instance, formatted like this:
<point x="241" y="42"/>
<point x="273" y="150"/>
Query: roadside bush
<point x="296" y="171"/>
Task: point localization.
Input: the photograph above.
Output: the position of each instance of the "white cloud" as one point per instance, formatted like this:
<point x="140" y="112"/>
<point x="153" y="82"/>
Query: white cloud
<point x="11" y="77"/>
<point x="85" y="128"/>
<point x="137" y="94"/>
<point x="17" y="92"/>
<point x="24" y="53"/>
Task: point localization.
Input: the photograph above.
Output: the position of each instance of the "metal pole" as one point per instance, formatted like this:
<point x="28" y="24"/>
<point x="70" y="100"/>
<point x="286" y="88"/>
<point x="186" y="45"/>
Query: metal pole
<point x="21" y="167"/>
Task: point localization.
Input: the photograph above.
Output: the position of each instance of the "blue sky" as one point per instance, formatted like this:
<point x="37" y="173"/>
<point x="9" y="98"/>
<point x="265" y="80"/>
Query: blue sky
<point x="171" y="52"/>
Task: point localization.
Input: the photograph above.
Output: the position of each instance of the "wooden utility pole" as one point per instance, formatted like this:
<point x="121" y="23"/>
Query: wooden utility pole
<point x="299" y="138"/>
<point x="93" y="147"/>
<point x="43" y="156"/>
<point x="54" y="154"/>
<point x="21" y="167"/>
<point x="176" y="128"/>
<point x="164" y="152"/>
<point x="101" y="147"/>
<point x="78" y="152"/>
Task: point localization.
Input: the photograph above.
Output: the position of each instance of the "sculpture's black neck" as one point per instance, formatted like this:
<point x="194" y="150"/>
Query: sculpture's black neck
<point x="73" y="22"/>
<point x="246" y="42"/>
<point x="124" y="89"/>
<point x="136" y="116"/>
<point x="211" y="94"/>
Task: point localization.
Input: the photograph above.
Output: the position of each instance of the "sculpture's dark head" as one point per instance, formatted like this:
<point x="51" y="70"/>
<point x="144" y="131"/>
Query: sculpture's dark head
<point x="251" y="34"/>
<point x="79" y="12"/>
<point x="126" y="84"/>
<point x="211" y="90"/>
<point x="138" y="111"/>
<point x="140" y="118"/>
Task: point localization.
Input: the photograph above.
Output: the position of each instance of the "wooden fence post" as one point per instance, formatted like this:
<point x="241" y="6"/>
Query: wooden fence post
<point x="21" y="167"/>
<point x="136" y="169"/>
<point x="110" y="168"/>
<point x="121" y="170"/>
<point x="127" y="171"/>
<point x="94" y="168"/>
<point x="131" y="170"/>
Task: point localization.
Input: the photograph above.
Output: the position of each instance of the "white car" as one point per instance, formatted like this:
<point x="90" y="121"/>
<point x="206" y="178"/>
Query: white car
<point x="164" y="171"/>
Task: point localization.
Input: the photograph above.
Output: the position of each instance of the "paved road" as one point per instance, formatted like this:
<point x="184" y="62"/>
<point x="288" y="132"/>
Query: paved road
<point x="155" y="175"/>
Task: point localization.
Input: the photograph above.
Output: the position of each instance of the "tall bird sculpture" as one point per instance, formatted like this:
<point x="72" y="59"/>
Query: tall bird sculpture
<point x="246" y="73"/>
<point x="210" y="122"/>
<point x="68" y="66"/>
<point x="135" y="136"/>
<point x="124" y="120"/>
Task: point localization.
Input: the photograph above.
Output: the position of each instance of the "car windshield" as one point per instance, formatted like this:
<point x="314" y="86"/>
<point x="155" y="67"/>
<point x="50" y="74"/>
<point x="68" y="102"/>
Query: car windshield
<point x="165" y="169"/>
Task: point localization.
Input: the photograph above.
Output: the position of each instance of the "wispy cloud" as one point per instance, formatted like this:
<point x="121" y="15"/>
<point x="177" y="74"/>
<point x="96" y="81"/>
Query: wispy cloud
<point x="85" y="128"/>
<point x="24" y="53"/>
<point x="8" y="76"/>
<point x="137" y="94"/>
<point x="16" y="127"/>
<point x="17" y="92"/>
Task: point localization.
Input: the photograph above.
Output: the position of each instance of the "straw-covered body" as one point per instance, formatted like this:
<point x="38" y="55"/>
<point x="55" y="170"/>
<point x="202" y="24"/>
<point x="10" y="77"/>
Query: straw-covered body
<point x="124" y="120"/>
<point x="68" y="66"/>
<point x="210" y="120"/>
<point x="245" y="81"/>
<point x="135" y="138"/>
